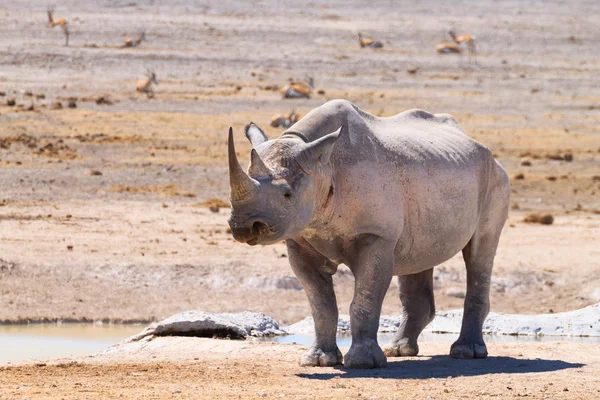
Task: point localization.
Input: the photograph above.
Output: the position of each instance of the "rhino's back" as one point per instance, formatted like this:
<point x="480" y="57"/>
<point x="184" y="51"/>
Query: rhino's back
<point x="412" y="136"/>
<point x="416" y="136"/>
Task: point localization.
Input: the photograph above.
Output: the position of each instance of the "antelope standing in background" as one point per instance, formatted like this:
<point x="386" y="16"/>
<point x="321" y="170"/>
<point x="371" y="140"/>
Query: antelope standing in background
<point x="468" y="40"/>
<point x="285" y="121"/>
<point x="296" y="90"/>
<point x="369" y="42"/>
<point x="129" y="42"/>
<point x="145" y="85"/>
<point x="60" y="22"/>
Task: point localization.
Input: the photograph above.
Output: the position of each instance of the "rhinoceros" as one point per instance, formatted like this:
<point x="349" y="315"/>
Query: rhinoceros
<point x="385" y="196"/>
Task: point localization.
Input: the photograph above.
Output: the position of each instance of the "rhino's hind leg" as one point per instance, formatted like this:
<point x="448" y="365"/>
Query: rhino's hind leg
<point x="316" y="278"/>
<point x="479" y="259"/>
<point x="418" y="308"/>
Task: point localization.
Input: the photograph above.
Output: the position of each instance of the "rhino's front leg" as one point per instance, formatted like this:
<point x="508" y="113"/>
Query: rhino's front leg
<point x="372" y="265"/>
<point x="315" y="275"/>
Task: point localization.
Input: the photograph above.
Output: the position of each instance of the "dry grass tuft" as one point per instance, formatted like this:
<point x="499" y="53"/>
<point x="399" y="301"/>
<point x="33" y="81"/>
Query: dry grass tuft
<point x="213" y="205"/>
<point x="166" y="190"/>
<point x="544" y="219"/>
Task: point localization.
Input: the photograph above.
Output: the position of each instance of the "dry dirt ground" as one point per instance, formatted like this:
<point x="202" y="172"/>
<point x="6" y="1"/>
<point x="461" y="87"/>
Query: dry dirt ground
<point x="194" y="368"/>
<point x="102" y="212"/>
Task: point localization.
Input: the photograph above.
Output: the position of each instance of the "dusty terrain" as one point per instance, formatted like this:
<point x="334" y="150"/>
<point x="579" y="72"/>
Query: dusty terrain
<point x="192" y="368"/>
<point x="102" y="212"/>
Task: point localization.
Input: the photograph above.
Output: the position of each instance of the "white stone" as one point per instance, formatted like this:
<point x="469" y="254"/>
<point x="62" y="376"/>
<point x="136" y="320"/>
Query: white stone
<point x="205" y="324"/>
<point x="582" y="322"/>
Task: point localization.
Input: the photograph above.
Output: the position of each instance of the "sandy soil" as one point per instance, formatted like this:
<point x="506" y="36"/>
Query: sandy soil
<point x="180" y="368"/>
<point x="101" y="210"/>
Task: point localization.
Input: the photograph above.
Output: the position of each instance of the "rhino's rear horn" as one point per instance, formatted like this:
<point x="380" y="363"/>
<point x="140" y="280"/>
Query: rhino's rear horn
<point x="240" y="183"/>
<point x="257" y="166"/>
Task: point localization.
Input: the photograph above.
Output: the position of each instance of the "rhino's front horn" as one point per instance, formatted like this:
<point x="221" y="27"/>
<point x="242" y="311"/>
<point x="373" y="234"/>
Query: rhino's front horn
<point x="258" y="169"/>
<point x="241" y="184"/>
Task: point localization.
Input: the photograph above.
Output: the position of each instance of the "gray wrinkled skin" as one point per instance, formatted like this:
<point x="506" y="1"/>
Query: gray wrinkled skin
<point x="385" y="196"/>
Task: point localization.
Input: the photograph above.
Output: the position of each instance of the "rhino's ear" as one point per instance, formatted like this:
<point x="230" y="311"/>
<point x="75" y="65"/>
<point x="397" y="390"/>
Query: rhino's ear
<point x="255" y="135"/>
<point x="320" y="149"/>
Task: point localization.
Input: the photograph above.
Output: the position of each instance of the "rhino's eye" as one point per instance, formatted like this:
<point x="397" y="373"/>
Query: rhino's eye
<point x="287" y="195"/>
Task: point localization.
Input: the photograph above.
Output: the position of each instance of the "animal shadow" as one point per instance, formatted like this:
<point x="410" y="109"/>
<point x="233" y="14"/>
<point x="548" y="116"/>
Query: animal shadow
<point x="447" y="367"/>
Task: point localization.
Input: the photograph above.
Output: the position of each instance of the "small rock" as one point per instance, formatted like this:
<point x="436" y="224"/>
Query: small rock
<point x="526" y="163"/>
<point x="412" y="70"/>
<point x="70" y="248"/>
<point x="72" y="103"/>
<point x="11" y="102"/>
<point x="95" y="172"/>
<point x="519" y="176"/>
<point x="321" y="92"/>
<point x="104" y="100"/>
<point x="57" y="105"/>
<point x="568" y="157"/>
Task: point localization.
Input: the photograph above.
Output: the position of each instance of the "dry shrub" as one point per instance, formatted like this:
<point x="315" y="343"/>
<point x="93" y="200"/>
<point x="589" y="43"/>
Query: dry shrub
<point x="165" y="190"/>
<point x="213" y="205"/>
<point x="544" y="219"/>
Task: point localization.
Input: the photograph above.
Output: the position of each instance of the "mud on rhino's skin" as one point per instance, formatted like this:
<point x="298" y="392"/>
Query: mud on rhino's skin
<point x="385" y="196"/>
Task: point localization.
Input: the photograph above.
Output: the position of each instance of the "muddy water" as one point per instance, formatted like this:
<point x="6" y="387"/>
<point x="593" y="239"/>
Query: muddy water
<point x="43" y="341"/>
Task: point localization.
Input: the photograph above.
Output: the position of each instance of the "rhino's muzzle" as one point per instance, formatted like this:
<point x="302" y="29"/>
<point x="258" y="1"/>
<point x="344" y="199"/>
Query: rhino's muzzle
<point x="249" y="234"/>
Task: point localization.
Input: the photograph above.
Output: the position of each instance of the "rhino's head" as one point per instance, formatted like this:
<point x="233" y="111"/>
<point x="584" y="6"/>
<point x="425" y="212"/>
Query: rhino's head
<point x="276" y="199"/>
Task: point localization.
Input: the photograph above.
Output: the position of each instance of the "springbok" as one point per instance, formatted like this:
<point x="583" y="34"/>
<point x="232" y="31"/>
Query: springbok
<point x="369" y="42"/>
<point x="285" y="121"/>
<point x="448" y="48"/>
<point x="467" y="39"/>
<point x="145" y="85"/>
<point x="296" y="90"/>
<point x="60" y="22"/>
<point x="129" y="42"/>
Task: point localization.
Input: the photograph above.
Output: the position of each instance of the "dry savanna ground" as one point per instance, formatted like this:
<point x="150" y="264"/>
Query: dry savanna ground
<point x="107" y="210"/>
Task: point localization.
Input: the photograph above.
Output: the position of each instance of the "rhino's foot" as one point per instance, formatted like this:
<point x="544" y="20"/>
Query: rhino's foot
<point x="315" y="357"/>
<point x="402" y="348"/>
<point x="465" y="349"/>
<point x="365" y="355"/>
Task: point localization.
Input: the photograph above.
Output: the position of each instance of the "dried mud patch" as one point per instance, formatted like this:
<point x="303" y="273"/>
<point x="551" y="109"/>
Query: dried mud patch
<point x="42" y="147"/>
<point x="103" y="138"/>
